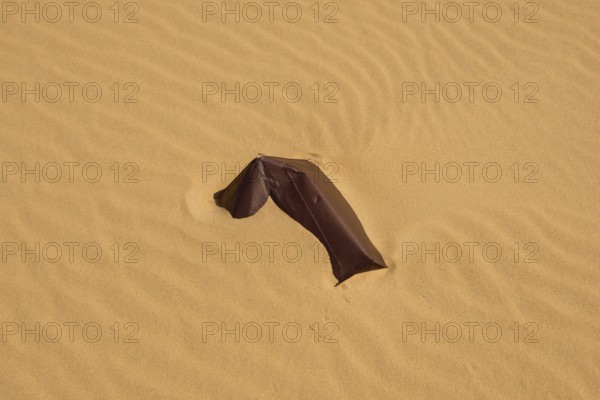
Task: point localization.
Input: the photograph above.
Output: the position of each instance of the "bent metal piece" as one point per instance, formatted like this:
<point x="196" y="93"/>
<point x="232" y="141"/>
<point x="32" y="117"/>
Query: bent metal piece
<point x="305" y="193"/>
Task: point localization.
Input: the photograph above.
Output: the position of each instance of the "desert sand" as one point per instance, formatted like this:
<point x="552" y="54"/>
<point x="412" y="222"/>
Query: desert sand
<point x="468" y="147"/>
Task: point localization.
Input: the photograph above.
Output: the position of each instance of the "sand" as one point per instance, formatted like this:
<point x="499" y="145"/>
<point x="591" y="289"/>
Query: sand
<point x="485" y="206"/>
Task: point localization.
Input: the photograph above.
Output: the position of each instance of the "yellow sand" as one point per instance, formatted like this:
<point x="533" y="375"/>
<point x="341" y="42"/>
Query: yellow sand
<point x="369" y="342"/>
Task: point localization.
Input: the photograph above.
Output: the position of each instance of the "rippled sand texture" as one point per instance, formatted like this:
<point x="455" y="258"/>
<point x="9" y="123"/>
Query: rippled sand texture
<point x="365" y="140"/>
